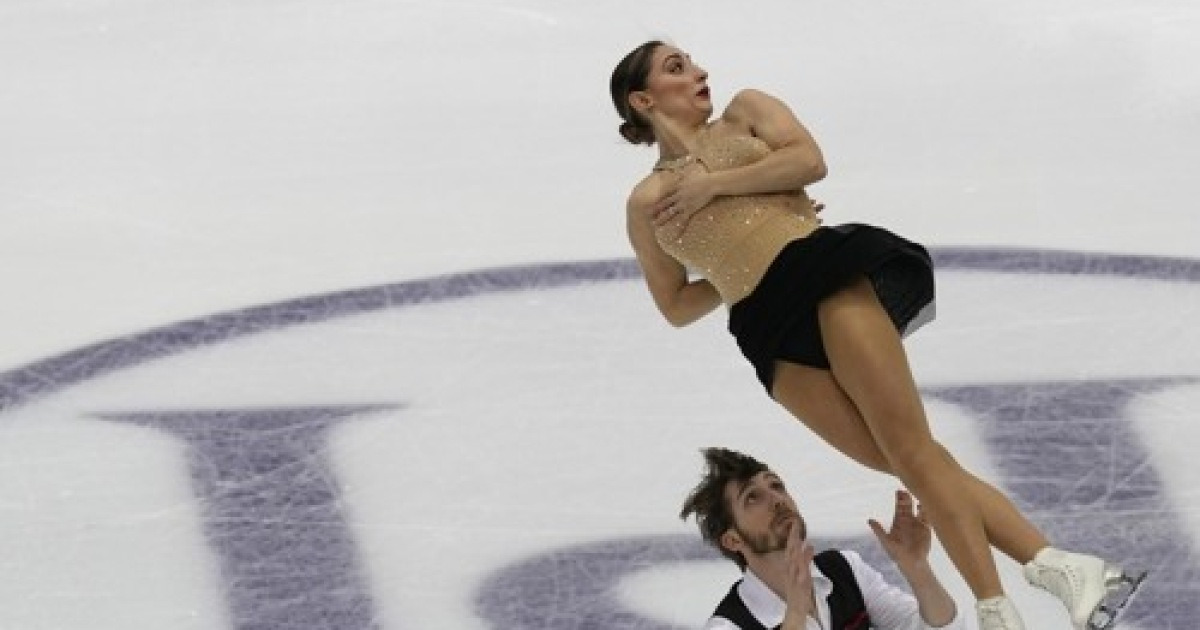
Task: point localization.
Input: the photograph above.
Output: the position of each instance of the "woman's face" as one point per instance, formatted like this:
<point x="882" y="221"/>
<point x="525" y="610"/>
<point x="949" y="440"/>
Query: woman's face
<point x="676" y="87"/>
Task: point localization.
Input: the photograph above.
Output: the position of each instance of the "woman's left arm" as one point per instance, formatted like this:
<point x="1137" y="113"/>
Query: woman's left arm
<point x="794" y="162"/>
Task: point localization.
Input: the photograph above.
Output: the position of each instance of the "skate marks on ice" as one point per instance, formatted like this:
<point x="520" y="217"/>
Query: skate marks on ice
<point x="266" y="474"/>
<point x="1070" y="456"/>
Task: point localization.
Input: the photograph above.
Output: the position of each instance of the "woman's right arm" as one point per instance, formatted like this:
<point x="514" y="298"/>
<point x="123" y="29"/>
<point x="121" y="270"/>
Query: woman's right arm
<point x="679" y="300"/>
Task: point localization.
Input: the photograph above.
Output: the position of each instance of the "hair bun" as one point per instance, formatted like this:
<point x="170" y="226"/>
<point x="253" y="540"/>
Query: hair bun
<point x="636" y="134"/>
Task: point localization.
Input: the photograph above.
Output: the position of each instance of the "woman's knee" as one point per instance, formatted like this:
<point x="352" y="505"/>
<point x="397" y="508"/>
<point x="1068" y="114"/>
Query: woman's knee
<point x="875" y="460"/>
<point x="921" y="461"/>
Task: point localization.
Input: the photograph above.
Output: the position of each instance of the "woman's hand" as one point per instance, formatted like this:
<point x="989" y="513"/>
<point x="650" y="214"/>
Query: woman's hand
<point x="693" y="189"/>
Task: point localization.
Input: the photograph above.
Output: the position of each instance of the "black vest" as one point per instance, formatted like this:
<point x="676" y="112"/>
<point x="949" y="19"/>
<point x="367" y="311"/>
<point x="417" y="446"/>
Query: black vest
<point x="847" y="610"/>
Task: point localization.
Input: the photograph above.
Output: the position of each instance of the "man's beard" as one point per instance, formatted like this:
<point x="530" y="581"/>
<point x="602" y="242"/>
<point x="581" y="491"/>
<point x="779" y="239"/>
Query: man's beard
<point x="774" y="539"/>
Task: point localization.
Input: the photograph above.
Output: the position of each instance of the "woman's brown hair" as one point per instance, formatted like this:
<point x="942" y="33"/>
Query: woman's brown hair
<point x="630" y="76"/>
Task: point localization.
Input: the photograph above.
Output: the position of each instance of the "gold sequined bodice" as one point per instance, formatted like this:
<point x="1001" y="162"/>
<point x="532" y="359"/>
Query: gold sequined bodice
<point x="733" y="240"/>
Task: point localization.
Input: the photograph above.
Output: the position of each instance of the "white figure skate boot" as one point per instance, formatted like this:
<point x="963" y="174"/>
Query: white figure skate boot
<point x="998" y="613"/>
<point x="1093" y="591"/>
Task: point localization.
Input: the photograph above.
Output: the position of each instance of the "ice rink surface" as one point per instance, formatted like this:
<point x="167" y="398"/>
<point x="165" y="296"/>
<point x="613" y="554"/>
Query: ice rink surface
<point x="321" y="314"/>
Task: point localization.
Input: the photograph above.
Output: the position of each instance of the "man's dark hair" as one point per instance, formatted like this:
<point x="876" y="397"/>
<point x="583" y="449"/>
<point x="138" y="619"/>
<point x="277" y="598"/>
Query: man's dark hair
<point x="707" y="501"/>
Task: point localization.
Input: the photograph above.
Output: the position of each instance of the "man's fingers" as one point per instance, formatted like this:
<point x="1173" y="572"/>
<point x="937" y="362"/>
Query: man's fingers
<point x="904" y="503"/>
<point x="880" y="532"/>
<point x="807" y="552"/>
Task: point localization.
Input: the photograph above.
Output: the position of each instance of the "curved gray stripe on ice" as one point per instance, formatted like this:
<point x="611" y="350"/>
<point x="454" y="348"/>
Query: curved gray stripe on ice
<point x="38" y="379"/>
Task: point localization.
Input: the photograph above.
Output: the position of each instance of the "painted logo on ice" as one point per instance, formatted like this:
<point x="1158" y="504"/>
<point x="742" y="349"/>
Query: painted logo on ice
<point x="1068" y="452"/>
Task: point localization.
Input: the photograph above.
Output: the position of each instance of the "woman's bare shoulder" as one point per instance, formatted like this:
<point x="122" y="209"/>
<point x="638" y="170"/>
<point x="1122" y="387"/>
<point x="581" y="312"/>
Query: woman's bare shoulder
<point x="746" y="98"/>
<point x="646" y="192"/>
<point x="751" y="98"/>
<point x="747" y="105"/>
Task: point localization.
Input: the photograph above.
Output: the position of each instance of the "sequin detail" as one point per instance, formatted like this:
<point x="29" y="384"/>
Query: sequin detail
<point x="733" y="240"/>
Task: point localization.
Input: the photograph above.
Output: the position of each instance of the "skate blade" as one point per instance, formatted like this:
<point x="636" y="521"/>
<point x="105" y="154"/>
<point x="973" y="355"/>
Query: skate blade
<point x="1120" y="593"/>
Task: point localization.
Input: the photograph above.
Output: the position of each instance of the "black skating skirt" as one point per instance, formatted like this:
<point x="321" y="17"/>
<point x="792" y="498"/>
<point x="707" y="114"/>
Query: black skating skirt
<point x="778" y="320"/>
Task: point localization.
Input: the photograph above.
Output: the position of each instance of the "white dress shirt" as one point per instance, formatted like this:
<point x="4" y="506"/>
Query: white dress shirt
<point x="889" y="607"/>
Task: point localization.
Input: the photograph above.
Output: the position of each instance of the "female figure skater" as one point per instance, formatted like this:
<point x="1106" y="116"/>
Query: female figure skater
<point x="819" y="312"/>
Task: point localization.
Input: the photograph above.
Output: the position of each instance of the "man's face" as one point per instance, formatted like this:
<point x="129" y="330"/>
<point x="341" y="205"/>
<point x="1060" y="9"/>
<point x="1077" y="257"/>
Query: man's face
<point x="763" y="512"/>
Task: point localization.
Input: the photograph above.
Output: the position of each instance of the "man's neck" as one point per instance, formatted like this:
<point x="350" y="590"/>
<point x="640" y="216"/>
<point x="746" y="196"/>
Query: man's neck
<point x="771" y="570"/>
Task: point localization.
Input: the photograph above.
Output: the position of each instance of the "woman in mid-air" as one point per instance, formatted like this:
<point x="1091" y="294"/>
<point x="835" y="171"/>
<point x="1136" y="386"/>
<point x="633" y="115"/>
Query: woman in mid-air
<point x="819" y="312"/>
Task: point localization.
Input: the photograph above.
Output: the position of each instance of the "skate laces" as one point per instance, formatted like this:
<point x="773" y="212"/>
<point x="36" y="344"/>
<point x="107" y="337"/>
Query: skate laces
<point x="990" y="617"/>
<point x="1065" y="582"/>
<point x="994" y="614"/>
<point x="1078" y="580"/>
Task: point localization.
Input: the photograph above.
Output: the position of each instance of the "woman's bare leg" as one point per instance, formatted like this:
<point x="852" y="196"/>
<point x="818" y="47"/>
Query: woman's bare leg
<point x="1007" y="528"/>
<point x="870" y="367"/>
<point x="816" y="399"/>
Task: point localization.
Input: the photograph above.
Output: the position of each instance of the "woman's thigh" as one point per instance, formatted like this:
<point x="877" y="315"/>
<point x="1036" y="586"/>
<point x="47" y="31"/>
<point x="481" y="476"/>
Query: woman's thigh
<point x="869" y="364"/>
<point x="815" y="398"/>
